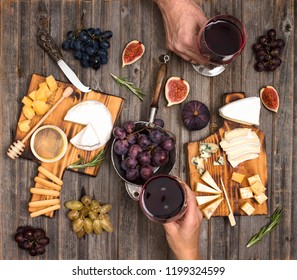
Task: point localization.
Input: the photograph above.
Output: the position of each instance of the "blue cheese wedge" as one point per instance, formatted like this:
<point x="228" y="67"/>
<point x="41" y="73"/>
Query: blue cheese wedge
<point x="207" y="149"/>
<point x="206" y="198"/>
<point x="199" y="163"/>
<point x="220" y="161"/>
<point x="208" y="210"/>
<point x="206" y="189"/>
<point x="245" y="111"/>
<point x="210" y="181"/>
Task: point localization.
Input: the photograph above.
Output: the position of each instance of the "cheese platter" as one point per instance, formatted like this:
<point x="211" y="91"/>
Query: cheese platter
<point x="237" y="154"/>
<point x="86" y="119"/>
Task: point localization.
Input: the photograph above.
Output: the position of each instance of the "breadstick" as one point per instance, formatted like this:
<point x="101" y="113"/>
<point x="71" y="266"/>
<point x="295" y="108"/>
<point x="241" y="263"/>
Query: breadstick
<point x="41" y="203"/>
<point x="45" y="210"/>
<point x="47" y="183"/>
<point x="50" y="175"/>
<point x="44" y="192"/>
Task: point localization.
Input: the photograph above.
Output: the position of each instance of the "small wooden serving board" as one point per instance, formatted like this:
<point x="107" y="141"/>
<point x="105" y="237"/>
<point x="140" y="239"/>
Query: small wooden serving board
<point x="248" y="168"/>
<point x="114" y="105"/>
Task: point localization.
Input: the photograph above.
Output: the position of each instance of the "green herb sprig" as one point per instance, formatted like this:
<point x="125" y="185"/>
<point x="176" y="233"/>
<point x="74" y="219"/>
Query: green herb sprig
<point x="122" y="82"/>
<point x="274" y="221"/>
<point x="95" y="161"/>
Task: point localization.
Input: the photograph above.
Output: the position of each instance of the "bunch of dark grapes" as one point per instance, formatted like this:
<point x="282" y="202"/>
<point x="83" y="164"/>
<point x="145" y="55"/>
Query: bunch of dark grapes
<point x="267" y="51"/>
<point x="89" y="45"/>
<point x="143" y="149"/>
<point x="32" y="239"/>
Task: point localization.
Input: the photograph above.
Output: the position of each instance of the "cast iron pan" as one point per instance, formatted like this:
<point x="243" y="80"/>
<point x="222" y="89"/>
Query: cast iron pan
<point x="134" y="187"/>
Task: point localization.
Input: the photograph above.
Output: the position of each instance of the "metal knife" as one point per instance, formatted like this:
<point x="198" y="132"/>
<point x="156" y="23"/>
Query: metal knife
<point x="50" y="46"/>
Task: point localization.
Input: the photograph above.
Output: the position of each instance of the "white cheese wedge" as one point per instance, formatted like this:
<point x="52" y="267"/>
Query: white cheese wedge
<point x="206" y="198"/>
<point x="245" y="111"/>
<point x="208" y="210"/>
<point x="242" y="150"/>
<point x="209" y="180"/>
<point x="243" y="158"/>
<point x="86" y="139"/>
<point x="98" y="116"/>
<point x="206" y="189"/>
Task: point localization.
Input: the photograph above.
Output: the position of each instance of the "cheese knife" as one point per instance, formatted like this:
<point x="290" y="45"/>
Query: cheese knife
<point x="50" y="46"/>
<point x="230" y="216"/>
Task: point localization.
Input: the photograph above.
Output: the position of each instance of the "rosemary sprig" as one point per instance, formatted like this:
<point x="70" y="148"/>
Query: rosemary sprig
<point x="274" y="221"/>
<point x="122" y="82"/>
<point x="96" y="160"/>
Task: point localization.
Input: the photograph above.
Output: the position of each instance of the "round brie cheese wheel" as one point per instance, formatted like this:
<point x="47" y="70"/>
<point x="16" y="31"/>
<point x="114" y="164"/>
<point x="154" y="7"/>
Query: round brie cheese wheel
<point x="98" y="120"/>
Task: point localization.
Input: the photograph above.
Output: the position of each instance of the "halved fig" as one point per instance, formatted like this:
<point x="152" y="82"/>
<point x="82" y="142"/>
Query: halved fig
<point x="269" y="98"/>
<point x="176" y="90"/>
<point x="132" y="52"/>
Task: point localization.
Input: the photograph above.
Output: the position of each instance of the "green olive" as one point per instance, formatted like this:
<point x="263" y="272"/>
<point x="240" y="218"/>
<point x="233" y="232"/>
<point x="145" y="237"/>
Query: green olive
<point x="88" y="225"/>
<point x="74" y="205"/>
<point x="97" y="226"/>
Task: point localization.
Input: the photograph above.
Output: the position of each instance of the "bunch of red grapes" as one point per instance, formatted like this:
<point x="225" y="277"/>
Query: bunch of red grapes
<point x="267" y="51"/>
<point x="143" y="149"/>
<point x="32" y="239"/>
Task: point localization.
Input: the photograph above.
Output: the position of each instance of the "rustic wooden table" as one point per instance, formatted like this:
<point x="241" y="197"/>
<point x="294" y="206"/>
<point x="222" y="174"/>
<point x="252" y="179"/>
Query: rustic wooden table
<point x="135" y="237"/>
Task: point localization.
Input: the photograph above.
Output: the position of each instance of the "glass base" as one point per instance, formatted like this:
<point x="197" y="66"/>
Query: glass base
<point x="210" y="70"/>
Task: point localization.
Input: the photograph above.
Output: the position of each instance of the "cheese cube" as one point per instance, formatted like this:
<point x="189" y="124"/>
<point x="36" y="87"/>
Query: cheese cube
<point x="27" y="101"/>
<point x="51" y="82"/>
<point x="32" y="95"/>
<point x="237" y="177"/>
<point x="256" y="178"/>
<point x="260" y="198"/>
<point x="24" y="126"/>
<point x="248" y="208"/>
<point x="245" y="193"/>
<point x="258" y="188"/>
<point x="28" y="112"/>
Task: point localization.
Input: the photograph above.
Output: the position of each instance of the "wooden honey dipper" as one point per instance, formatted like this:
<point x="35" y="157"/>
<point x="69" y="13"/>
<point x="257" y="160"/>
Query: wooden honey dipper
<point x="17" y="148"/>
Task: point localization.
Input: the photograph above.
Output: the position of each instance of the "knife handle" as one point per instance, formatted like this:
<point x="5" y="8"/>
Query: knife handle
<point x="49" y="45"/>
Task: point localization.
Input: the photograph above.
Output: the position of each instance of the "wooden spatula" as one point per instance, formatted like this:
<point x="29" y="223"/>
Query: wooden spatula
<point x="230" y="216"/>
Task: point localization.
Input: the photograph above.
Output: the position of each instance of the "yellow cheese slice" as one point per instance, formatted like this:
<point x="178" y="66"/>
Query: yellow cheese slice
<point x="206" y="198"/>
<point x="206" y="189"/>
<point x="209" y="180"/>
<point x="208" y="210"/>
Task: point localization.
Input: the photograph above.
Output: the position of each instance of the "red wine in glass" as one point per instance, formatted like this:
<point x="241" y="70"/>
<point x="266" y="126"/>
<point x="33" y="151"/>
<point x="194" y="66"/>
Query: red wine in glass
<point x="220" y="40"/>
<point x="163" y="198"/>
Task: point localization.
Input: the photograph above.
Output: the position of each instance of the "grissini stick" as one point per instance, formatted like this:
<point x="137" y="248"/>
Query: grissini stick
<point x="50" y="175"/>
<point x="17" y="148"/>
<point x="43" y="203"/>
<point x="48" y="184"/>
<point x="230" y="216"/>
<point x="45" y="210"/>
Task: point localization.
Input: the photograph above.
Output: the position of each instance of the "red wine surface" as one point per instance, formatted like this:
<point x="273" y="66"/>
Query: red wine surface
<point x="223" y="37"/>
<point x="163" y="198"/>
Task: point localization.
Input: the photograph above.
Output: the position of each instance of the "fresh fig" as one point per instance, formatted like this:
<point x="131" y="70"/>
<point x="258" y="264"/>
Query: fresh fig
<point x="269" y="98"/>
<point x="195" y="115"/>
<point x="176" y="90"/>
<point x="132" y="52"/>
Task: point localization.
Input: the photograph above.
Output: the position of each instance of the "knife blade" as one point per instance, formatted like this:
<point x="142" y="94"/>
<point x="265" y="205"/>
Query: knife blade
<point x="50" y="46"/>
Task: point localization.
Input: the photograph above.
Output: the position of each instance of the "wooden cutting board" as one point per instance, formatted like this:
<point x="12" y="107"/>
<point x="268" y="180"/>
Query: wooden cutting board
<point x="113" y="103"/>
<point x="249" y="168"/>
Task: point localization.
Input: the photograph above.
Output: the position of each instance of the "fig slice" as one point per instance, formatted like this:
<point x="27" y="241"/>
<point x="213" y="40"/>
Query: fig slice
<point x="132" y="52"/>
<point x="176" y="90"/>
<point x="269" y="98"/>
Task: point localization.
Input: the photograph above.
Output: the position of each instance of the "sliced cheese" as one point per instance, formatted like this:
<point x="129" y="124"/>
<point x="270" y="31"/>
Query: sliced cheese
<point x="209" y="180"/>
<point x="95" y="113"/>
<point x="243" y="158"/>
<point x="248" y="208"/>
<point x="86" y="139"/>
<point x="245" y="193"/>
<point x="240" y="151"/>
<point x="206" y="189"/>
<point x="237" y="133"/>
<point x="208" y="210"/>
<point x="261" y="198"/>
<point x="245" y="111"/>
<point x="206" y="198"/>
<point x="250" y="139"/>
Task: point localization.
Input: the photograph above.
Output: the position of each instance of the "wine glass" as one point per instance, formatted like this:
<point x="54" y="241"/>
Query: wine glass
<point x="220" y="40"/>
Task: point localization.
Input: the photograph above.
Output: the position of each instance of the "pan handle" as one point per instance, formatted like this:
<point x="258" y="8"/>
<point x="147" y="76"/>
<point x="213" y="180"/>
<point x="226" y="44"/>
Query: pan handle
<point x="161" y="78"/>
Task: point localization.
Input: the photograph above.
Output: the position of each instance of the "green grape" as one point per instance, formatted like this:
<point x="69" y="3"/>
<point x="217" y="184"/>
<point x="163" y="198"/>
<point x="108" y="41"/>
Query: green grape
<point x="97" y="226"/>
<point x="77" y="224"/>
<point x="88" y="225"/>
<point x="74" y="205"/>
